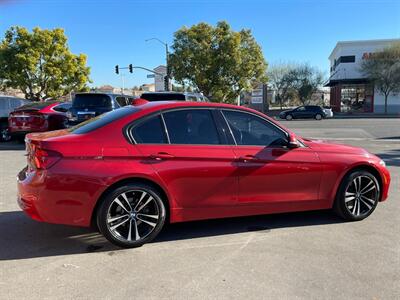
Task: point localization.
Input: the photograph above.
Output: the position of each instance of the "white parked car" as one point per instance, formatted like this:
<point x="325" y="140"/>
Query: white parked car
<point x="7" y="105"/>
<point x="328" y="111"/>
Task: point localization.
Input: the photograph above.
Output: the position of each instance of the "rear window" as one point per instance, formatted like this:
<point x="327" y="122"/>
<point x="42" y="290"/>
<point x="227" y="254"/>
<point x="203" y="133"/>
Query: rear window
<point x="91" y="100"/>
<point x="63" y="107"/>
<point x="103" y="120"/>
<point x="163" y="96"/>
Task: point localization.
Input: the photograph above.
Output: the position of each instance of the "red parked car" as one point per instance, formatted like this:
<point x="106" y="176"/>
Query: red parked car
<point x="38" y="117"/>
<point x="132" y="170"/>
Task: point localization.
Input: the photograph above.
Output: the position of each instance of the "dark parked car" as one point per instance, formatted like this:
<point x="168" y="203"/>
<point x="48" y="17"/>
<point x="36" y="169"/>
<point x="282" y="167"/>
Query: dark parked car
<point x="7" y="105"/>
<point x="89" y="105"/>
<point x="38" y="117"/>
<point x="304" y="112"/>
<point x="176" y="96"/>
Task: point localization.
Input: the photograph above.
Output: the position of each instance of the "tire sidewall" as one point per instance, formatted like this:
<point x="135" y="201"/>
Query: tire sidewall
<point x="318" y="117"/>
<point x="340" y="206"/>
<point x="108" y="199"/>
<point x="289" y="117"/>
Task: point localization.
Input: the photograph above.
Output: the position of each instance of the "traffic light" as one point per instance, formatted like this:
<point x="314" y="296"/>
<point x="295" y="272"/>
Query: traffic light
<point x="130" y="68"/>
<point x="166" y="83"/>
<point x="116" y="69"/>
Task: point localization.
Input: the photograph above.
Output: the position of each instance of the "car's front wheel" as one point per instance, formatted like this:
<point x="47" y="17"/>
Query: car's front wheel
<point x="358" y="196"/>
<point x="131" y="215"/>
<point x="5" y="134"/>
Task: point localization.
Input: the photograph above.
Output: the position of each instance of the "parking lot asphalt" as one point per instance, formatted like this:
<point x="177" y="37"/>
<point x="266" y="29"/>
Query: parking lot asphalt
<point x="311" y="255"/>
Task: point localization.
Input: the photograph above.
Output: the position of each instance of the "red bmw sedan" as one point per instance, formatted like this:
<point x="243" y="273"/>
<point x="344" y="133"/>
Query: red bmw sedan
<point x="134" y="169"/>
<point x="38" y="117"/>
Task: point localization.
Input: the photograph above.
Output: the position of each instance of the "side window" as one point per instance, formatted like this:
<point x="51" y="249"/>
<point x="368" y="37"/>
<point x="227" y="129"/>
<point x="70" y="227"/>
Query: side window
<point x="130" y="100"/>
<point x="150" y="131"/>
<point x="194" y="126"/>
<point x="121" y="101"/>
<point x="301" y="108"/>
<point x="252" y="130"/>
<point x="192" y="98"/>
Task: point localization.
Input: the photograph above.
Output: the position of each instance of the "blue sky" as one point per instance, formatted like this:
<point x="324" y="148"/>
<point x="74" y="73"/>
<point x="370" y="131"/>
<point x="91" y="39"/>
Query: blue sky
<point x="114" y="32"/>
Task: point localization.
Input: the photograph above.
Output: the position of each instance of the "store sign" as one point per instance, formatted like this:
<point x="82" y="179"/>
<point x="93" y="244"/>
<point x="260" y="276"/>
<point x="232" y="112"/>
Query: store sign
<point x="257" y="96"/>
<point x="367" y="55"/>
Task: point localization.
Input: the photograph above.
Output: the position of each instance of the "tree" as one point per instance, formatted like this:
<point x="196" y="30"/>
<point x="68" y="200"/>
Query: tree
<point x="305" y="80"/>
<point x="217" y="61"/>
<point x="278" y="80"/>
<point x="383" y="69"/>
<point x="40" y="64"/>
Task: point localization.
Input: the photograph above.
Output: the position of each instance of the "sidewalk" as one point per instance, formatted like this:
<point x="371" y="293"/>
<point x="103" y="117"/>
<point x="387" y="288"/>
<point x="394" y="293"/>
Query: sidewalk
<point x="364" y="116"/>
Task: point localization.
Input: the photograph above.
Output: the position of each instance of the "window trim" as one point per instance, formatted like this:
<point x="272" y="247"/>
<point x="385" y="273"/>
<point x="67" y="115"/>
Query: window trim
<point x="127" y="129"/>
<point x="256" y="115"/>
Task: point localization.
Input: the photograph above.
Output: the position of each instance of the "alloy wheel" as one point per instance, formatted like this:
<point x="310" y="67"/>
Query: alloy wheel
<point x="361" y="195"/>
<point x="133" y="215"/>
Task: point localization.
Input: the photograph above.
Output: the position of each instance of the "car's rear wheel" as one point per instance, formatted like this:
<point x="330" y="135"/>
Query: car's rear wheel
<point x="289" y="117"/>
<point x="358" y="196"/>
<point x="131" y="215"/>
<point x="318" y="117"/>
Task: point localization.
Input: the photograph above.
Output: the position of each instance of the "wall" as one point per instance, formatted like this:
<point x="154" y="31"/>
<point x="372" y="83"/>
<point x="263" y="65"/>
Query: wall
<point x="393" y="104"/>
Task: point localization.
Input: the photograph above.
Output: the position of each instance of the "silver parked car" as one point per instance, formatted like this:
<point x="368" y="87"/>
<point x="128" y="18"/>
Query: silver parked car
<point x="7" y="105"/>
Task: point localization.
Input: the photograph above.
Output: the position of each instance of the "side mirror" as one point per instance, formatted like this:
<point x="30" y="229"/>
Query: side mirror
<point x="293" y="142"/>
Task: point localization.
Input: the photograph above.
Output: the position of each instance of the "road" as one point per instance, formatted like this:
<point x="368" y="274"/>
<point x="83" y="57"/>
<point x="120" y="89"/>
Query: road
<point x="312" y="255"/>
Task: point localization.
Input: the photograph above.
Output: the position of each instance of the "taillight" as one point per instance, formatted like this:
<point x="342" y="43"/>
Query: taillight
<point x="44" y="159"/>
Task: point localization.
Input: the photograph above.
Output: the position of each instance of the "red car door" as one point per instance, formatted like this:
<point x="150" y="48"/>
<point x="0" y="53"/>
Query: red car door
<point x="268" y="171"/>
<point x="192" y="158"/>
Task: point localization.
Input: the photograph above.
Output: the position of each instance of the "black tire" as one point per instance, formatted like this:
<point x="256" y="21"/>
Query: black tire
<point x="318" y="117"/>
<point x="4" y="133"/>
<point x="344" y="210"/>
<point x="289" y="117"/>
<point x="133" y="194"/>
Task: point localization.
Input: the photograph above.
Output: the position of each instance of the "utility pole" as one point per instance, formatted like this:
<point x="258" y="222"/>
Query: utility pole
<point x="123" y="83"/>
<point x="168" y="76"/>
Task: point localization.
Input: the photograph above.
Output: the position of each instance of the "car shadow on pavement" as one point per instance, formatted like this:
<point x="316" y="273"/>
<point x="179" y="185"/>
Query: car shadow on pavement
<point x="11" y="146"/>
<point x="23" y="238"/>
<point x="391" y="157"/>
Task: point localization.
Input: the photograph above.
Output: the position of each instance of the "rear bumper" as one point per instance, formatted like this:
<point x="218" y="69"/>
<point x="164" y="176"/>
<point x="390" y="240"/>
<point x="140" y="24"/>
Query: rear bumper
<point x="48" y="197"/>
<point x="17" y="132"/>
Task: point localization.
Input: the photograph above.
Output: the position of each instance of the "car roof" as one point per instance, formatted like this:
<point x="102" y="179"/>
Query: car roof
<point x="95" y="93"/>
<point x="161" y="105"/>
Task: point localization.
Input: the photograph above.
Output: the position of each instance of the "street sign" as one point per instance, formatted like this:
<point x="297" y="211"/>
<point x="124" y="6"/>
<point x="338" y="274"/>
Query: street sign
<point x="257" y="96"/>
<point x="256" y="100"/>
<point x="257" y="93"/>
<point x="150" y="75"/>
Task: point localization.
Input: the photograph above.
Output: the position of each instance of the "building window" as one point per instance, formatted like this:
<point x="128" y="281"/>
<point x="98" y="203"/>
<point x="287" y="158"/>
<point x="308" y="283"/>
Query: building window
<point x="357" y="98"/>
<point x="347" y="59"/>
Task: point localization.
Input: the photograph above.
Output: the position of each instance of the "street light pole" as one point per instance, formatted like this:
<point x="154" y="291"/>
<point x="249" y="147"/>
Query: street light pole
<point x="166" y="59"/>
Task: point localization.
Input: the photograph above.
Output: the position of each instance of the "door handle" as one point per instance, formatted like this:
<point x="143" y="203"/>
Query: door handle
<point x="161" y="156"/>
<point x="248" y="158"/>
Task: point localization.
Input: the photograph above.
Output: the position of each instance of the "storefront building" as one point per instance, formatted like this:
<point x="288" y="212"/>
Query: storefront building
<point x="350" y="91"/>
